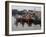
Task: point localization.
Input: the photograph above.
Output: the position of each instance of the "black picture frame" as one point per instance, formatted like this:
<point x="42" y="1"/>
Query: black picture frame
<point x="7" y="17"/>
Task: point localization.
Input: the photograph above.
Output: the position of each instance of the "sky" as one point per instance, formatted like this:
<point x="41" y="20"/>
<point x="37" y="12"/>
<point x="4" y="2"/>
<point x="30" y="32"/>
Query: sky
<point x="26" y="7"/>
